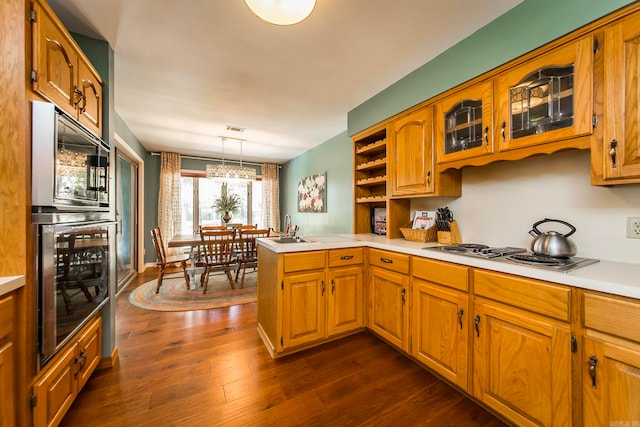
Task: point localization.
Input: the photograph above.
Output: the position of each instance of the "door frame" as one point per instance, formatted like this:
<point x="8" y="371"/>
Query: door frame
<point x="135" y="158"/>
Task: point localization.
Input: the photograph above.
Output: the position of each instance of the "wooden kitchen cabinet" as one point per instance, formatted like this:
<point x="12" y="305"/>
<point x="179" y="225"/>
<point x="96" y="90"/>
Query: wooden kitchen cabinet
<point x="61" y="72"/>
<point x="319" y="296"/>
<point x="345" y="298"/>
<point x="7" y="362"/>
<point x="61" y="381"/>
<point x="611" y="360"/>
<point x="389" y="297"/>
<point x="615" y="154"/>
<point x="547" y="98"/>
<point x="464" y="123"/>
<point x="522" y="349"/>
<point x="303" y="308"/>
<point x="440" y="318"/>
<point x="370" y="176"/>
<point x="412" y="159"/>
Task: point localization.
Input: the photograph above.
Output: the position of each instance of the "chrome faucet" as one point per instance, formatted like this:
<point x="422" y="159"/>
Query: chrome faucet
<point x="287" y="224"/>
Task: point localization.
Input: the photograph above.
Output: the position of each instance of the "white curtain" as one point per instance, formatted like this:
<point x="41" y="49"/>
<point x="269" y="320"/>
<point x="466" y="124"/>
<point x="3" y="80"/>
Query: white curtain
<point x="169" y="199"/>
<point x="271" y="196"/>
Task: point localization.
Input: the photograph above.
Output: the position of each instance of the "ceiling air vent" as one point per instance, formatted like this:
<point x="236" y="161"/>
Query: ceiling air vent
<point x="235" y="128"/>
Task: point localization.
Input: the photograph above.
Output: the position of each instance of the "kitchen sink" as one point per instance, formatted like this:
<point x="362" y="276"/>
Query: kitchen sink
<point x="288" y="240"/>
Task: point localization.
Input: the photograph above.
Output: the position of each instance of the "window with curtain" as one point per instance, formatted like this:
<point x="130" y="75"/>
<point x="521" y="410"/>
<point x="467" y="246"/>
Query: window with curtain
<point x="199" y="193"/>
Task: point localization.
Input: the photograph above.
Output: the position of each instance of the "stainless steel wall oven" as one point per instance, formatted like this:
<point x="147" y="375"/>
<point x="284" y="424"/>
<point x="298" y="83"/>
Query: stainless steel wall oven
<point x="73" y="232"/>
<point x="73" y="271"/>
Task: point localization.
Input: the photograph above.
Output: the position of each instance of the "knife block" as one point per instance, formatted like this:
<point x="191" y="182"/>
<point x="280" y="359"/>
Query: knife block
<point x="450" y="237"/>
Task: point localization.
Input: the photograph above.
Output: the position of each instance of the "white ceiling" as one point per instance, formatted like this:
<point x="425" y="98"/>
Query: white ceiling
<point x="186" y="69"/>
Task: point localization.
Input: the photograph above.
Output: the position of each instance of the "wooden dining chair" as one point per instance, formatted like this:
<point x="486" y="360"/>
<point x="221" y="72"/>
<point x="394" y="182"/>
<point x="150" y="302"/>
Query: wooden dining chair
<point x="217" y="249"/>
<point x="163" y="260"/>
<point x="213" y="227"/>
<point x="247" y="227"/>
<point x="248" y="251"/>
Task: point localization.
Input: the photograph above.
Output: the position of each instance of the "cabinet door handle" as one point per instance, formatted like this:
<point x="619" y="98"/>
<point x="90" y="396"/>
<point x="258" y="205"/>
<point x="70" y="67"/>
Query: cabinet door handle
<point x="486" y="135"/>
<point x="386" y="260"/>
<point x="613" y="145"/>
<point x="429" y="178"/>
<point x="460" y="313"/>
<point x="333" y="286"/>
<point x="80" y="96"/>
<point x="346" y="257"/>
<point x="323" y="287"/>
<point x="503" y="132"/>
<point x="478" y="324"/>
<point x="403" y="293"/>
<point x="593" y="361"/>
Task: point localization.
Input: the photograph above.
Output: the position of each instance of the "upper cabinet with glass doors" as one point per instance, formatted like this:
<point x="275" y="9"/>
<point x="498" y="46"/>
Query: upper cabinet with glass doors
<point x="464" y="123"/>
<point x="547" y="98"/>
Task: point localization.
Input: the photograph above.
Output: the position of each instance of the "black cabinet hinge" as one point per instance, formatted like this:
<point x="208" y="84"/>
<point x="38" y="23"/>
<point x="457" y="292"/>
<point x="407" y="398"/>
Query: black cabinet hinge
<point x="281" y="341"/>
<point x="574" y="345"/>
<point x="282" y="285"/>
<point x="34" y="400"/>
<point x="596" y="45"/>
<point x="32" y="15"/>
<point x="594" y="121"/>
<point x="34" y="76"/>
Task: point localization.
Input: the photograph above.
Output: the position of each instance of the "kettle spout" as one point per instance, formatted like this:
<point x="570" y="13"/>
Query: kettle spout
<point x="534" y="233"/>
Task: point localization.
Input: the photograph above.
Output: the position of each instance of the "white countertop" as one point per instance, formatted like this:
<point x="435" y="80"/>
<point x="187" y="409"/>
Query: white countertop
<point x="605" y="276"/>
<point x="10" y="283"/>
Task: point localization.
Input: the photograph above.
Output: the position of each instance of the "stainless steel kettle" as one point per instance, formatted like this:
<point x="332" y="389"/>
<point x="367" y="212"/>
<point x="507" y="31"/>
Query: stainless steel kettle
<point x="552" y="243"/>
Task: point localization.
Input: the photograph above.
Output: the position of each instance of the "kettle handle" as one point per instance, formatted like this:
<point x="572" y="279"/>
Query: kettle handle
<point x="535" y="226"/>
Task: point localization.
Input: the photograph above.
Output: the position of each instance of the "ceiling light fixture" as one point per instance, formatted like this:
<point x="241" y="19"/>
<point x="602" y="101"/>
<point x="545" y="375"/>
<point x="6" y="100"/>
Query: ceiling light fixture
<point x="281" y="12"/>
<point x="224" y="172"/>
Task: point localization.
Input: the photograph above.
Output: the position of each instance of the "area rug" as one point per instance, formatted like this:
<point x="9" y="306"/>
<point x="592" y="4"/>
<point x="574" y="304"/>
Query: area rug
<point x="174" y="295"/>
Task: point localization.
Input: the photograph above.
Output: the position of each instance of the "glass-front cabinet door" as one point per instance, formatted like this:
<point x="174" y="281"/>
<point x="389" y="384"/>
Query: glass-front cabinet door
<point x="548" y="98"/>
<point x="464" y="123"/>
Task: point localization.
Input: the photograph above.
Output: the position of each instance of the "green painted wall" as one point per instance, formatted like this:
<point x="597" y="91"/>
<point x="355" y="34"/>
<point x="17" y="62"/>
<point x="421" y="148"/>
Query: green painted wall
<point x="333" y="157"/>
<point x="522" y="29"/>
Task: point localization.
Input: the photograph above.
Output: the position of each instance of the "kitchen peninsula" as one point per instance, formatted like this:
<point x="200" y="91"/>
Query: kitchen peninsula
<point x="493" y="319"/>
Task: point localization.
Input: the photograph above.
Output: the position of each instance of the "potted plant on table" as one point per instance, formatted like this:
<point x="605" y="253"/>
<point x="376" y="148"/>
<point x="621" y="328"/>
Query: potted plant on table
<point x="228" y="204"/>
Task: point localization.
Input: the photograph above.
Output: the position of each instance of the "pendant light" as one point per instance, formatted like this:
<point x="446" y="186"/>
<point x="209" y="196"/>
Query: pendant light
<point x="281" y="12"/>
<point x="224" y="172"/>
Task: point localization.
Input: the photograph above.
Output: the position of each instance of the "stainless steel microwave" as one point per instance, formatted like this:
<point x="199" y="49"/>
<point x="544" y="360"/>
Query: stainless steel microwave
<point x="70" y="164"/>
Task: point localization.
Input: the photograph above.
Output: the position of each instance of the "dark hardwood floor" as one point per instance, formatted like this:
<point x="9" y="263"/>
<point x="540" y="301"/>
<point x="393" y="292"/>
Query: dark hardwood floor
<point x="209" y="368"/>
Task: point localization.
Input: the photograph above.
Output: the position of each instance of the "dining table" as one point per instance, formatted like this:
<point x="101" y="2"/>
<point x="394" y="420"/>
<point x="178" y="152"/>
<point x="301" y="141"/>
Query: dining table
<point x="191" y="241"/>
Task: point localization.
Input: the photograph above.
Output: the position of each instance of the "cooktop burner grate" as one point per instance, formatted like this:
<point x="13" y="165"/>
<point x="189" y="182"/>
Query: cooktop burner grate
<point x="539" y="259"/>
<point x="515" y="256"/>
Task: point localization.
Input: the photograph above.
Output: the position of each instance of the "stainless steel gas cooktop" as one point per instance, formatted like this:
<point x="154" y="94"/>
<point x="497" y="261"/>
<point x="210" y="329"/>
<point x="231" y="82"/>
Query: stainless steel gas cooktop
<point x="515" y="256"/>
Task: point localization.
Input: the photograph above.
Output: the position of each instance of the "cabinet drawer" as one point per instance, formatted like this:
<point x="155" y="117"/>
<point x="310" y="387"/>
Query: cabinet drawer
<point x="301" y="261"/>
<point x="443" y="273"/>
<point x="340" y="257"/>
<point x="539" y="297"/>
<point x="389" y="260"/>
<point x="6" y="316"/>
<point x="612" y="315"/>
